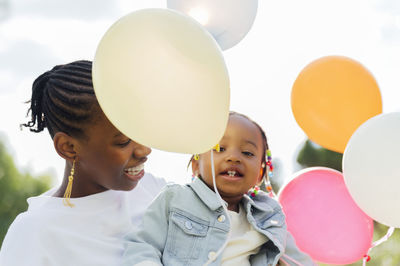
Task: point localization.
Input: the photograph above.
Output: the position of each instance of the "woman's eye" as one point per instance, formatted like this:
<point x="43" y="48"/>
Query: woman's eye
<point x="123" y="144"/>
<point x="247" y="153"/>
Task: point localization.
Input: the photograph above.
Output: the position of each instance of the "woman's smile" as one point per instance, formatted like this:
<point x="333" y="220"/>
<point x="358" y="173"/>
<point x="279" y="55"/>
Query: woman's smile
<point x="135" y="173"/>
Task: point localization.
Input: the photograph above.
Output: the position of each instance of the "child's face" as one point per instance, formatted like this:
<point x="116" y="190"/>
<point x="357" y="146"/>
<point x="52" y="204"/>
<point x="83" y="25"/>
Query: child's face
<point x="238" y="164"/>
<point x="107" y="159"/>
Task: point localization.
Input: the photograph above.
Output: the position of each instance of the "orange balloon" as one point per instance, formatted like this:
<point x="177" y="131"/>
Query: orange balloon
<point x="332" y="97"/>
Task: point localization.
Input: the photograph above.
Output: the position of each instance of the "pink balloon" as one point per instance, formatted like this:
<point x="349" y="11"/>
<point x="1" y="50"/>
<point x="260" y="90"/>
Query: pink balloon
<point x="324" y="219"/>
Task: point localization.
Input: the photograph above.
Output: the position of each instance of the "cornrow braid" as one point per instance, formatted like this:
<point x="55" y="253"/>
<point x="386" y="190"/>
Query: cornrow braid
<point x="63" y="100"/>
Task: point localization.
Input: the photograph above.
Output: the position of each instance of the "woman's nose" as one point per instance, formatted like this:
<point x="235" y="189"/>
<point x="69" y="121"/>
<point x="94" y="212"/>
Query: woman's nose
<point x="141" y="151"/>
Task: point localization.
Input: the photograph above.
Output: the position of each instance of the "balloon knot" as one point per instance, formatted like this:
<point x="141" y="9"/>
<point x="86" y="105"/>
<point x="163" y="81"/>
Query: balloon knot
<point x="367" y="257"/>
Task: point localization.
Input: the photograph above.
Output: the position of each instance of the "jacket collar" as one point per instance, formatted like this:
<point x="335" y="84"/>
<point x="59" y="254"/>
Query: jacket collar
<point x="208" y="196"/>
<point x="261" y="203"/>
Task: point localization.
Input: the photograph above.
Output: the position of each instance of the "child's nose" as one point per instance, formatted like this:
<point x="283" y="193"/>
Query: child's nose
<point x="233" y="156"/>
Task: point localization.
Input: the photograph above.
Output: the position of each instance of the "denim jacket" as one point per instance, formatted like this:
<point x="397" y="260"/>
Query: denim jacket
<point x="185" y="225"/>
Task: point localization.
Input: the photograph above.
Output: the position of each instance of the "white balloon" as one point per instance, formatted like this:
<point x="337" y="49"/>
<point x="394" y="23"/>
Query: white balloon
<point x="371" y="168"/>
<point x="227" y="20"/>
<point x="161" y="79"/>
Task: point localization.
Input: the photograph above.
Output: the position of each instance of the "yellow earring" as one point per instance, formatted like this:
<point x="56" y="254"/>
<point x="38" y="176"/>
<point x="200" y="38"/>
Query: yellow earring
<point x="196" y="157"/>
<point x="67" y="194"/>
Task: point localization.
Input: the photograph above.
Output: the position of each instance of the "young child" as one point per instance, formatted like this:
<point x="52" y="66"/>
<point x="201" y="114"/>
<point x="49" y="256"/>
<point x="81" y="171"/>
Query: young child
<point x="186" y="225"/>
<point x="104" y="191"/>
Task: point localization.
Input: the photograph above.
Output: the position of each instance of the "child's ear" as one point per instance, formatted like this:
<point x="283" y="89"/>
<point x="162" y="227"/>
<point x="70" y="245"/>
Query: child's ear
<point x="195" y="167"/>
<point x="260" y="177"/>
<point x="65" y="146"/>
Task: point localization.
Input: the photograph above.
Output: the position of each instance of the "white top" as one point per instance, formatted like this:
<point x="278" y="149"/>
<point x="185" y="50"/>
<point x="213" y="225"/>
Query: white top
<point x="90" y="233"/>
<point x="243" y="241"/>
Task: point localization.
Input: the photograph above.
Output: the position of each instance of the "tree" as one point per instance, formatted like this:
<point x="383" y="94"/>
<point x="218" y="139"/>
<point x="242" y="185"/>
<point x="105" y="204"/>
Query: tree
<point x="15" y="188"/>
<point x="312" y="154"/>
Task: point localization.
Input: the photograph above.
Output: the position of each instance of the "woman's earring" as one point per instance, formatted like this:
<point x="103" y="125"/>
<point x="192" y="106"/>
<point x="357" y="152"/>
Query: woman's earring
<point x="68" y="190"/>
<point x="196" y="157"/>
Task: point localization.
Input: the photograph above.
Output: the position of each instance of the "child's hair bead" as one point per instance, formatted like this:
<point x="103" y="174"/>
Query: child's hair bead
<point x="217" y="148"/>
<point x="253" y="191"/>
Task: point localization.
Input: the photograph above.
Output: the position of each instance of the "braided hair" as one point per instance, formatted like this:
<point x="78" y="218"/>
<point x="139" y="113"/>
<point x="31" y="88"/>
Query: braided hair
<point x="63" y="100"/>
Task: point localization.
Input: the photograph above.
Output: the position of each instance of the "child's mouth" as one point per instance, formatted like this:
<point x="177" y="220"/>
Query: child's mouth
<point x="232" y="174"/>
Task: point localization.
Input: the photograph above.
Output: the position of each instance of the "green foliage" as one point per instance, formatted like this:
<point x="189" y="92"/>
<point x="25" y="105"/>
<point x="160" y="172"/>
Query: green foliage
<point x="313" y="155"/>
<point x="15" y="188"/>
<point x="386" y="254"/>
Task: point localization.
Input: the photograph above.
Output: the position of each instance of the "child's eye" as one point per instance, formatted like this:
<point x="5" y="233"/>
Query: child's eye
<point x="221" y="149"/>
<point x="123" y="144"/>
<point x="247" y="153"/>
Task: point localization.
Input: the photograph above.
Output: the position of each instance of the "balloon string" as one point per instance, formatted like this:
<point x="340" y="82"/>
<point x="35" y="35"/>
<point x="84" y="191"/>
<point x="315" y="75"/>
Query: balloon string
<point x="226" y="212"/>
<point x="377" y="243"/>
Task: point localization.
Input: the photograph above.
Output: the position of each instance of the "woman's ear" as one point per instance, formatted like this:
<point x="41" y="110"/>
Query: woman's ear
<point x="65" y="146"/>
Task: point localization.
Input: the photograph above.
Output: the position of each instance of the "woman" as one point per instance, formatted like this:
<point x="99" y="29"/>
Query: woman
<point x="104" y="191"/>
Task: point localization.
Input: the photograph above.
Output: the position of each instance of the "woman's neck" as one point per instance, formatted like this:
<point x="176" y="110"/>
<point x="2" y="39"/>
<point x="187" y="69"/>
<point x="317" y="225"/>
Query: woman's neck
<point x="80" y="186"/>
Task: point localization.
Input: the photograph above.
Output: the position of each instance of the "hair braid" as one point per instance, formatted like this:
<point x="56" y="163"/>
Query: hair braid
<point x="63" y="99"/>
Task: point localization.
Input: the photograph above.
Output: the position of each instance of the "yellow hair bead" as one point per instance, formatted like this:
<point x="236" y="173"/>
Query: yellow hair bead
<point x="217" y="148"/>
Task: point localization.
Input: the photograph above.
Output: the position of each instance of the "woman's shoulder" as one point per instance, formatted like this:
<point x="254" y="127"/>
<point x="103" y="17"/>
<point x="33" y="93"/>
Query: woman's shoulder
<point x="26" y="221"/>
<point x="24" y="232"/>
<point x="149" y="180"/>
<point x="30" y="221"/>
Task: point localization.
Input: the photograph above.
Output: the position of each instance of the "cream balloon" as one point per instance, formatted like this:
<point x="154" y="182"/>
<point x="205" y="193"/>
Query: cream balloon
<point x="371" y="168"/>
<point x="161" y="79"/>
<point x="227" y="20"/>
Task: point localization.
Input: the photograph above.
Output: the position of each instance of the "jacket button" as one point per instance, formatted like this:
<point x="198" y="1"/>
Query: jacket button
<point x="188" y="225"/>
<point x="211" y="255"/>
<point x="221" y="218"/>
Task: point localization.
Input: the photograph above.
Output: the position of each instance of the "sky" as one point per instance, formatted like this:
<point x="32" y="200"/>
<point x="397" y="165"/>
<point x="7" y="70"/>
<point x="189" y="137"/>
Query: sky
<point x="286" y="35"/>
